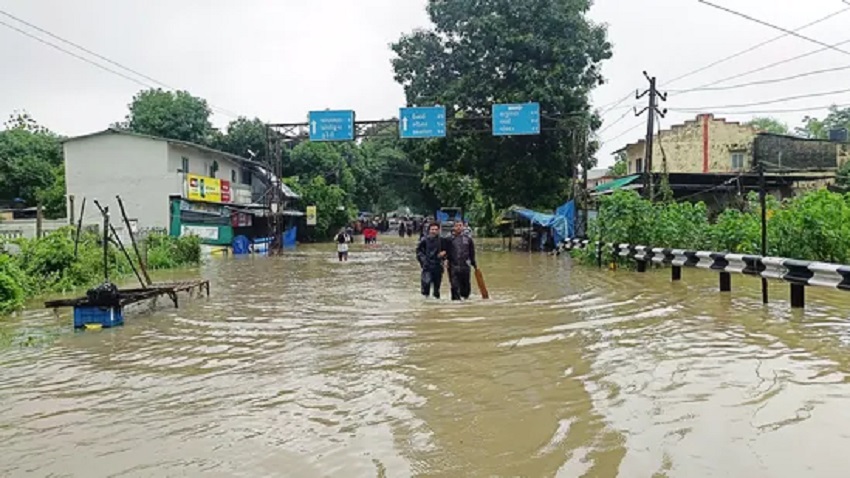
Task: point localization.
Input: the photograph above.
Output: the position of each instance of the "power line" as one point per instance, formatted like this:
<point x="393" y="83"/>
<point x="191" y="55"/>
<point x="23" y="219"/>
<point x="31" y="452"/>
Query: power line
<point x="95" y="54"/>
<point x="775" y="27"/>
<point x="754" y="47"/>
<point x="761" y="112"/>
<point x="768" y="102"/>
<point x="762" y="68"/>
<point x="764" y="82"/>
<point x="621" y="118"/>
<point x="79" y="57"/>
<point x="611" y="106"/>
<point x="606" y="109"/>
<point x="626" y="132"/>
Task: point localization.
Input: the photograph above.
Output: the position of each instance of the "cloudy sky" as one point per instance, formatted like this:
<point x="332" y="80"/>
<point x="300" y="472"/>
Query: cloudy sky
<point x="279" y="59"/>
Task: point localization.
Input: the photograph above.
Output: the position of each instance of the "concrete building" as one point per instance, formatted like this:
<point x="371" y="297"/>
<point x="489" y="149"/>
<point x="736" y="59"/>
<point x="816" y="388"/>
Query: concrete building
<point x="598" y="176"/>
<point x="157" y="176"/>
<point x="703" y="145"/>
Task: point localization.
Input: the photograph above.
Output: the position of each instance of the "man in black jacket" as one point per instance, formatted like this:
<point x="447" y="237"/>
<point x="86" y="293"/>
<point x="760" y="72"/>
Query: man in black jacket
<point x="430" y="253"/>
<point x="461" y="254"/>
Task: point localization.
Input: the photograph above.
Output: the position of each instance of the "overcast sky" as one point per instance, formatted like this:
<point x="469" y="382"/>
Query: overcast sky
<point x="279" y="59"/>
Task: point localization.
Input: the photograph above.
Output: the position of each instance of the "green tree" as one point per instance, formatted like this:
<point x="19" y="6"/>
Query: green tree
<point x="324" y="160"/>
<point x="769" y="125"/>
<point x="620" y="166"/>
<point x="176" y="115"/>
<point x="30" y="159"/>
<point x="481" y="52"/>
<point x="815" y="128"/>
<point x="52" y="197"/>
<point x="241" y="136"/>
<point x="333" y="209"/>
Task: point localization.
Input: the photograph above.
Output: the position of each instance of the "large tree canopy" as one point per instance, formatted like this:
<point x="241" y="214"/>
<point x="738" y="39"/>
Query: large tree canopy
<point x="170" y="114"/>
<point x="481" y="52"/>
<point x="30" y="164"/>
<point x="241" y="136"/>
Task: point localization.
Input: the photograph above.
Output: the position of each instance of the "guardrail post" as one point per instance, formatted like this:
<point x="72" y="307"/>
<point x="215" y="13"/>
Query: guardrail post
<point x="725" y="282"/>
<point x="677" y="273"/>
<point x="641" y="266"/>
<point x="798" y="296"/>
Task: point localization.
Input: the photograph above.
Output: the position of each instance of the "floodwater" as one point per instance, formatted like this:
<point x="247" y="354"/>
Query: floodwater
<point x="300" y="366"/>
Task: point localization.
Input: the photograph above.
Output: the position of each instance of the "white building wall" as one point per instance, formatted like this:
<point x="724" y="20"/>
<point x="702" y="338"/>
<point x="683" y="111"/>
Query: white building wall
<point x="103" y="166"/>
<point x="201" y="161"/>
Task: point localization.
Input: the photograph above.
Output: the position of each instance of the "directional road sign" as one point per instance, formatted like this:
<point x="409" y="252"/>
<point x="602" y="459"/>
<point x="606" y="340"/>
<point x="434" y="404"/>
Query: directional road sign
<point x="422" y="122"/>
<point x="516" y="119"/>
<point x="331" y="125"/>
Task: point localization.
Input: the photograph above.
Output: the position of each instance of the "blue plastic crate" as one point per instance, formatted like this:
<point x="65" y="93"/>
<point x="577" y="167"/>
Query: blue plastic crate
<point x="102" y="316"/>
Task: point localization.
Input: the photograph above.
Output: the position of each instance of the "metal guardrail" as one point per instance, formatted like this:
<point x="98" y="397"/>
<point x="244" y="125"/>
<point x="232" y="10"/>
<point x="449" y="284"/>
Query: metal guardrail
<point x="799" y="274"/>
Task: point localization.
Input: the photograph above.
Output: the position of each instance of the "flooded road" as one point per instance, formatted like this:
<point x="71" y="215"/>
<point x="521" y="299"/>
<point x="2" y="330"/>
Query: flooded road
<point x="300" y="366"/>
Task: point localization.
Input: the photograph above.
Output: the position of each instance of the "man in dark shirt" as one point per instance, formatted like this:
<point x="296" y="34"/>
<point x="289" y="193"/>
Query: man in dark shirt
<point x="461" y="256"/>
<point x="430" y="253"/>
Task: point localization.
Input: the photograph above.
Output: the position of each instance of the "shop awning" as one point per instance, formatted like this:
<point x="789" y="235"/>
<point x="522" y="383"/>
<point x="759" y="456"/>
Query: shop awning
<point x="622" y="183"/>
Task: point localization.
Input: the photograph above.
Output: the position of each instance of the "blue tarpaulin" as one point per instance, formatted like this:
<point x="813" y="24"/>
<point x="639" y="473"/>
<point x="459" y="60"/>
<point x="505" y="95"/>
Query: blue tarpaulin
<point x="568" y="211"/>
<point x="289" y="237"/>
<point x="558" y="224"/>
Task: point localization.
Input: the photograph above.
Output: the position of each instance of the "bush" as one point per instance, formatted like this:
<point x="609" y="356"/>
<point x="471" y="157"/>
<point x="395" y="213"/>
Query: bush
<point x="47" y="265"/>
<point x="815" y="226"/>
<point x="11" y="291"/>
<point x="167" y="252"/>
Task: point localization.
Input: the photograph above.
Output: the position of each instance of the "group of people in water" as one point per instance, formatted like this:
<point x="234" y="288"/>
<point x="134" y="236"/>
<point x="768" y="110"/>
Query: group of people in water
<point x="436" y="255"/>
<point x="455" y="255"/>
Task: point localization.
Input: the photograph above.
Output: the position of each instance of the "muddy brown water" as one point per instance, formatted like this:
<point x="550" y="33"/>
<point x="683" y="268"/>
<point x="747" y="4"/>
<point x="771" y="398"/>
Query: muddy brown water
<point x="300" y="366"/>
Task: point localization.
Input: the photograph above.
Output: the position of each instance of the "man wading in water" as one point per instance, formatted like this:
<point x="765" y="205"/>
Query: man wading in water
<point x="461" y="255"/>
<point x="342" y="241"/>
<point x="430" y="253"/>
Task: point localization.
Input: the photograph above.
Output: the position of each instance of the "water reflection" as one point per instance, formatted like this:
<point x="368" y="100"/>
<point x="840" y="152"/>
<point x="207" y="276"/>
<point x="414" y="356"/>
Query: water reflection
<point x="302" y="366"/>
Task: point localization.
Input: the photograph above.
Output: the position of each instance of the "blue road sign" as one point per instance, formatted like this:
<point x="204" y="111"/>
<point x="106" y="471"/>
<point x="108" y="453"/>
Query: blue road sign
<point x="516" y="119"/>
<point x="422" y="122"/>
<point x="331" y="125"/>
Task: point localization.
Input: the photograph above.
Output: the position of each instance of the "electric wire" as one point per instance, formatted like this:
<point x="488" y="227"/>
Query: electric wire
<point x="753" y="48"/>
<point x="767" y="102"/>
<point x="97" y="55"/>
<point x="764" y="82"/>
<point x="775" y="27"/>
<point x="605" y="109"/>
<point x="761" y="68"/>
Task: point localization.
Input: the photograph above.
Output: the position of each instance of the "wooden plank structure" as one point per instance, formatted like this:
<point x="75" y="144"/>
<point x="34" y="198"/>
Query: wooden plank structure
<point x="131" y="296"/>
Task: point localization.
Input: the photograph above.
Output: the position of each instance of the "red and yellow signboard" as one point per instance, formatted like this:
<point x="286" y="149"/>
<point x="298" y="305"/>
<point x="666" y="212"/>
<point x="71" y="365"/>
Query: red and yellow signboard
<point x="202" y="188"/>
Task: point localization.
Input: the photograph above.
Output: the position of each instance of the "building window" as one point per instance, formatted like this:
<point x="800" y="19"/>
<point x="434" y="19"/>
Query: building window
<point x="246" y="177"/>
<point x="184" y="166"/>
<point x="737" y="161"/>
<point x="233" y="176"/>
<point x="639" y="165"/>
<point x="213" y="169"/>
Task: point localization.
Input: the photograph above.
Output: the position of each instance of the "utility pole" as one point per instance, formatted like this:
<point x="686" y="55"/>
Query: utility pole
<point x="652" y="109"/>
<point x="763" y="205"/>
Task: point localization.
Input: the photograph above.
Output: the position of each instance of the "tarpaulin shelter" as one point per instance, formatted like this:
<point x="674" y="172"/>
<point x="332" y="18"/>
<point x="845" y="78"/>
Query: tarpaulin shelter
<point x="556" y="223"/>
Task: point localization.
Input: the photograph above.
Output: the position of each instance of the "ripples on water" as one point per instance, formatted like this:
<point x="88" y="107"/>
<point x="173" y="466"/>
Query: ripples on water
<point x="301" y="366"/>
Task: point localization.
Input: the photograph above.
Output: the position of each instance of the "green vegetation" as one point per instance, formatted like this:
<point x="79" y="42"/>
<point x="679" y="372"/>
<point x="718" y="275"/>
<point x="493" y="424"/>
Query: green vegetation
<point x="769" y="125"/>
<point x="169" y="252"/>
<point x="31" y="165"/>
<point x="546" y="51"/>
<point x="814" y="226"/>
<point x="47" y="265"/>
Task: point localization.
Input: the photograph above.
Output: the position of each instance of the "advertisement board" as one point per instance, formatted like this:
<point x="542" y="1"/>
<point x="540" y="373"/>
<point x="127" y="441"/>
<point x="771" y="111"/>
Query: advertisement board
<point x="203" y="188"/>
<point x="311" y="215"/>
<point x="204" y="232"/>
